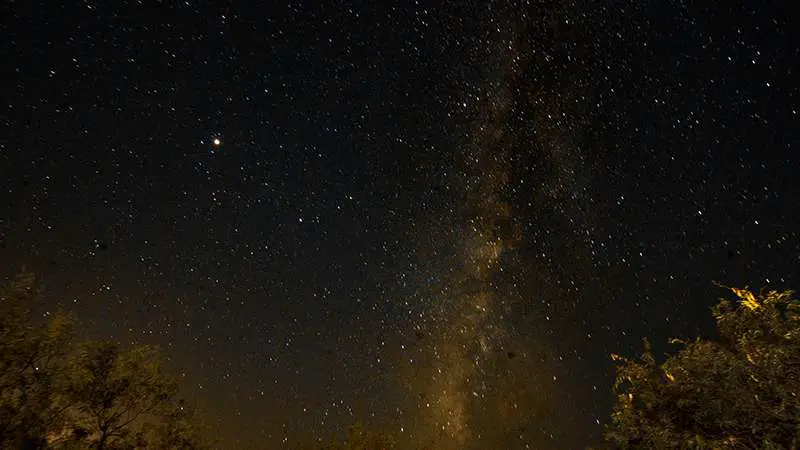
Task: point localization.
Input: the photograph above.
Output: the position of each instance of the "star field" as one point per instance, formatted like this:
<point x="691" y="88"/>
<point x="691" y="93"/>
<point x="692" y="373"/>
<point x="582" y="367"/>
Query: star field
<point x="435" y="219"/>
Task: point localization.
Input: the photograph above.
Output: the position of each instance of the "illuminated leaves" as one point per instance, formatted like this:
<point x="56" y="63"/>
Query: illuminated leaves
<point x="747" y="297"/>
<point x="740" y="390"/>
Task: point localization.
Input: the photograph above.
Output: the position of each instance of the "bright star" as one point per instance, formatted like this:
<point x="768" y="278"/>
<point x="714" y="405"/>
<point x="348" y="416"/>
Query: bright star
<point x="216" y="142"/>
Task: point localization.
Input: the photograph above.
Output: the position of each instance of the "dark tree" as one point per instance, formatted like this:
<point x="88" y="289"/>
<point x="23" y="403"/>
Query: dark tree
<point x="361" y="438"/>
<point x="357" y="437"/>
<point x="741" y="390"/>
<point x="31" y="359"/>
<point x="117" y="398"/>
<point x="58" y="394"/>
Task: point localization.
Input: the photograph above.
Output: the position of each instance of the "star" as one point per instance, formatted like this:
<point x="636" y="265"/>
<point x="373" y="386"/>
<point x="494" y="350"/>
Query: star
<point x="382" y="234"/>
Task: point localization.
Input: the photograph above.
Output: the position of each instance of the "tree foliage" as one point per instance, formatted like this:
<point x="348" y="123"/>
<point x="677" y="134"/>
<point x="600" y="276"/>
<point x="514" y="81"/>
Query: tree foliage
<point x="56" y="393"/>
<point x="361" y="438"/>
<point x="30" y="358"/>
<point x="741" y="390"/>
<point x="357" y="437"/>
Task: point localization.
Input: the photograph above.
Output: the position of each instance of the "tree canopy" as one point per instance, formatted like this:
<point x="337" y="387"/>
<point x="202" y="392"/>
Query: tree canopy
<point x="741" y="390"/>
<point x="57" y="393"/>
<point x="738" y="390"/>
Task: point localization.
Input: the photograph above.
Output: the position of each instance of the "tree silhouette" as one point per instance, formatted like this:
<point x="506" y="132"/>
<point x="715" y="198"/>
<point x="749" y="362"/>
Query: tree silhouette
<point x="31" y="358"/>
<point x="55" y="393"/>
<point x="357" y="437"/>
<point x="361" y="438"/>
<point x="741" y="390"/>
<point x="121" y="399"/>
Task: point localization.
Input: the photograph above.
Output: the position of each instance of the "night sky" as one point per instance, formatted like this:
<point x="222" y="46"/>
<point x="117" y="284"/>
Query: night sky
<point x="438" y="219"/>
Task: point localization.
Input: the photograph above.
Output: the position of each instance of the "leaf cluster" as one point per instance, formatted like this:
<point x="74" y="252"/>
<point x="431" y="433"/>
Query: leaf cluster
<point x="738" y="391"/>
<point x="59" y="394"/>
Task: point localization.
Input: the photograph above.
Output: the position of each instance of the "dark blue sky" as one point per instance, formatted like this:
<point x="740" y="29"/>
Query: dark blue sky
<point x="437" y="219"/>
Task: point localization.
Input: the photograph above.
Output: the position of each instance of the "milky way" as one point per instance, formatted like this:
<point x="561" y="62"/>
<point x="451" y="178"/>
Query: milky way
<point x="478" y="381"/>
<point x="435" y="220"/>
